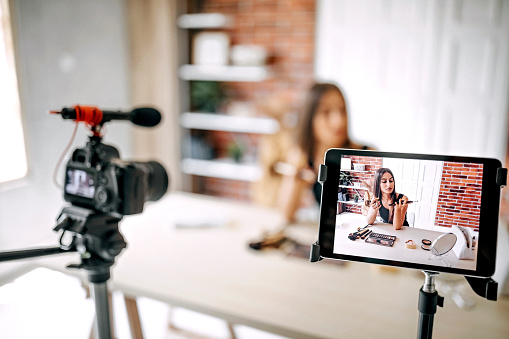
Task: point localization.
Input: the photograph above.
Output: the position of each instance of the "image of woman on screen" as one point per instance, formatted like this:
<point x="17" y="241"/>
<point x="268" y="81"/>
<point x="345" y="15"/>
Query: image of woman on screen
<point x="390" y="205"/>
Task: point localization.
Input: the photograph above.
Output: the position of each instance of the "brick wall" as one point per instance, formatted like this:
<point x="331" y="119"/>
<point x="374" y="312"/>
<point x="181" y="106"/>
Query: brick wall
<point x="460" y="195"/>
<point x="286" y="29"/>
<point x="372" y="164"/>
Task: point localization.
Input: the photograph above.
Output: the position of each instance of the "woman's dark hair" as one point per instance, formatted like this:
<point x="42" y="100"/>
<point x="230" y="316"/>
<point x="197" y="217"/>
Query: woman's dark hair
<point x="377" y="191"/>
<point x="305" y="136"/>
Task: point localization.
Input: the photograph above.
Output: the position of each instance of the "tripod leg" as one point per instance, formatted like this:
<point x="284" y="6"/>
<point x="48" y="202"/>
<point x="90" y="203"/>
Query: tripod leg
<point x="102" y="326"/>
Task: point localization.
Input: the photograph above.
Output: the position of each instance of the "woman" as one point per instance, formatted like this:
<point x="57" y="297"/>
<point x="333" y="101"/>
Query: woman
<point x="323" y="125"/>
<point x="391" y="205"/>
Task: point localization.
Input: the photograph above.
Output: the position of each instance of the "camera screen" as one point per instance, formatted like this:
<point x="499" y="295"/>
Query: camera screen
<point x="80" y="183"/>
<point x="439" y="221"/>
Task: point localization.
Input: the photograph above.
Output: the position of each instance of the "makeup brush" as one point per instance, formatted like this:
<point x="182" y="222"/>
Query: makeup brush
<point x="408" y="202"/>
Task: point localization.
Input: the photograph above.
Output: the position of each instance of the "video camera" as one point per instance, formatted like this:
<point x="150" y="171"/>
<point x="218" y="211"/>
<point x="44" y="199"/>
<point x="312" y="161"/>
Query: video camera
<point x="97" y="178"/>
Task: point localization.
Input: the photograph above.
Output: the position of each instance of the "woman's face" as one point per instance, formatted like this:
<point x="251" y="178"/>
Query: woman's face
<point x="330" y="120"/>
<point x="387" y="183"/>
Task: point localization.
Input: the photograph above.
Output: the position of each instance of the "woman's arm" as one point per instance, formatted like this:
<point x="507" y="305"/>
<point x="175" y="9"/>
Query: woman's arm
<point x="294" y="186"/>
<point x="290" y="195"/>
<point x="373" y="211"/>
<point x="400" y="212"/>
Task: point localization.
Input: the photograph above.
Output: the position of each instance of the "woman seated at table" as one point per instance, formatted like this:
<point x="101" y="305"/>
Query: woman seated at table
<point x="391" y="205"/>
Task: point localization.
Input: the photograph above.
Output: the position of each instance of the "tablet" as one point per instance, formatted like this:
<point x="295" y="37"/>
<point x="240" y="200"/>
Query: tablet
<point x="429" y="212"/>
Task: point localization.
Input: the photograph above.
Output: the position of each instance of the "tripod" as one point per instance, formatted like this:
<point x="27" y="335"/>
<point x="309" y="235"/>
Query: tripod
<point x="96" y="237"/>
<point x="429" y="299"/>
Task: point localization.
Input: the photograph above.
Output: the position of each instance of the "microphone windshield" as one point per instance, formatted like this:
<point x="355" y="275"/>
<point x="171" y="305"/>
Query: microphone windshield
<point x="145" y="116"/>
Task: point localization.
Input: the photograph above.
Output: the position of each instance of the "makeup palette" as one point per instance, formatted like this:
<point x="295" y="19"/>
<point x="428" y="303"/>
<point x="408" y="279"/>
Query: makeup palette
<point x="381" y="239"/>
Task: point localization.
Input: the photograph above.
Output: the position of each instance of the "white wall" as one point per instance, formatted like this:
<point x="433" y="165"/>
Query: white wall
<point x="422" y="76"/>
<point x="68" y="52"/>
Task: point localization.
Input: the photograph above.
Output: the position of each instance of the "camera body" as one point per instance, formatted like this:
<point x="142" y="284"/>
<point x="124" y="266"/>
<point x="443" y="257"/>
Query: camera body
<point x="97" y="178"/>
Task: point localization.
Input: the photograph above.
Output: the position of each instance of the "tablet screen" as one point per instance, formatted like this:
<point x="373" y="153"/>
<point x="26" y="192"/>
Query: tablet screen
<point x="410" y="210"/>
<point x="440" y="195"/>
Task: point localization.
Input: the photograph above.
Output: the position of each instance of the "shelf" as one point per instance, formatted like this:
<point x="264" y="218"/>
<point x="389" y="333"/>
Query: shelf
<point x="346" y="170"/>
<point x="223" y="122"/>
<point x="224" y="73"/>
<point x="217" y="168"/>
<point x="352" y="203"/>
<point x="223" y="169"/>
<point x="204" y="20"/>
<point x="359" y="188"/>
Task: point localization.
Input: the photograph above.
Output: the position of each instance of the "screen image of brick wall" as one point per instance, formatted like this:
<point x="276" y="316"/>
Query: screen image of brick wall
<point x="371" y="164"/>
<point x="460" y="195"/>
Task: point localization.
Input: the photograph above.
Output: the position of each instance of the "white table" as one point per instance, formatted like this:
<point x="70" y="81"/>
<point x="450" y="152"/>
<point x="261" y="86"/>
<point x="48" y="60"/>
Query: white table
<point x="211" y="270"/>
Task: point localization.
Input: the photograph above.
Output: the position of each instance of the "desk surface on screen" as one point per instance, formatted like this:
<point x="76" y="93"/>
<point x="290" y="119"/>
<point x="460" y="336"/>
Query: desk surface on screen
<point x="347" y="223"/>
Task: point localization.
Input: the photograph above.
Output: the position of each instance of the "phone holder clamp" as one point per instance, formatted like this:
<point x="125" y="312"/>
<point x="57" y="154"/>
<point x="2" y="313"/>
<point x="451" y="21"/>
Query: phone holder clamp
<point x="314" y="254"/>
<point x="502" y="177"/>
<point x="484" y="287"/>
<point x="322" y="174"/>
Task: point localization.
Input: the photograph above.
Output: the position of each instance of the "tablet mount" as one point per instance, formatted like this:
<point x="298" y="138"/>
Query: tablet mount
<point x="96" y="237"/>
<point x="429" y="298"/>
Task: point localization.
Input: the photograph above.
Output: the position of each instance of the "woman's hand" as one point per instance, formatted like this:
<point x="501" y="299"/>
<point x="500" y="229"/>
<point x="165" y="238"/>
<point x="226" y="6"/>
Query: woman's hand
<point x="302" y="171"/>
<point x="375" y="204"/>
<point x="401" y="205"/>
<point x="400" y="208"/>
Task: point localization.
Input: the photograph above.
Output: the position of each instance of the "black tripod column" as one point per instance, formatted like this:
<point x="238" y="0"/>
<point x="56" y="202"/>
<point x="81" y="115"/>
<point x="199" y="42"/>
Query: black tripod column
<point x="428" y="302"/>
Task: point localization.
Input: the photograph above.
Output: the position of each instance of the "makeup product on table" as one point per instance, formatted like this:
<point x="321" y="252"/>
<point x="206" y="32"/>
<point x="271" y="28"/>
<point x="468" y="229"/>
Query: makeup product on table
<point x="361" y="233"/>
<point x="426" y="244"/>
<point x="410" y="244"/>
<point x="365" y="235"/>
<point x="381" y="239"/>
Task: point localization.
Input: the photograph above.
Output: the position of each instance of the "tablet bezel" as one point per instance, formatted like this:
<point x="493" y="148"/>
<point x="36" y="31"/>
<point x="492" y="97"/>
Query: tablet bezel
<point x="490" y="202"/>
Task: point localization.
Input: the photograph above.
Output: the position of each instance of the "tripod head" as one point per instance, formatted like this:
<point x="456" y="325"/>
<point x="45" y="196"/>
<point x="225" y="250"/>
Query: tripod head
<point x="95" y="236"/>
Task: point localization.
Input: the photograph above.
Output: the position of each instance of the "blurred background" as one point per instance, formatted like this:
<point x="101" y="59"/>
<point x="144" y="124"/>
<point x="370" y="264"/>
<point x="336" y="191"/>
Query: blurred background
<point x="422" y="76"/>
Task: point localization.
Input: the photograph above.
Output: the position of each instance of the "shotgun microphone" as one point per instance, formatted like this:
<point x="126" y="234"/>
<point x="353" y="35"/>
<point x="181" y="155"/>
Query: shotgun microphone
<point x="93" y="116"/>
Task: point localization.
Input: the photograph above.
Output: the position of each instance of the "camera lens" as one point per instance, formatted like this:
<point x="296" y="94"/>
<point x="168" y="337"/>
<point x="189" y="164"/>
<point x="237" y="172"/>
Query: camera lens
<point x="157" y="179"/>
